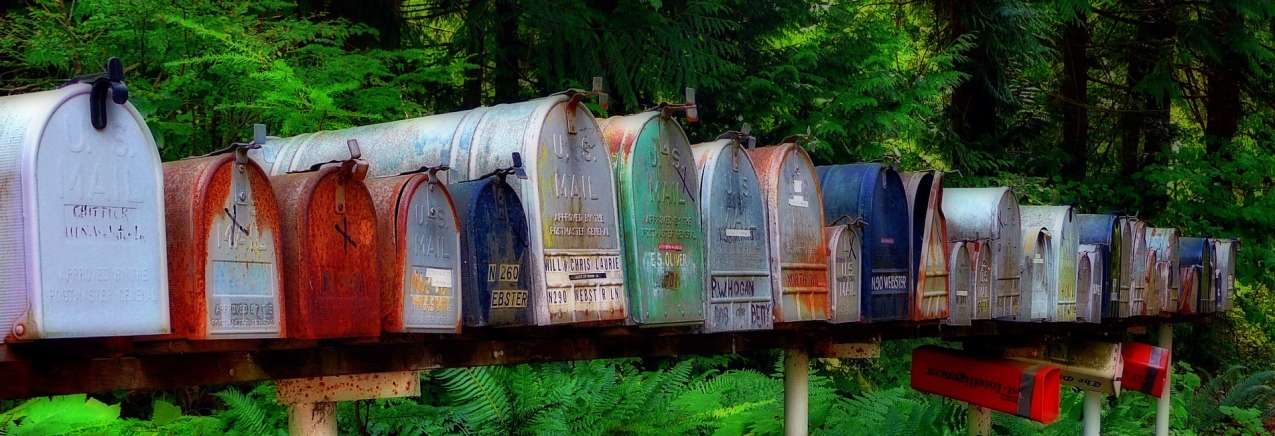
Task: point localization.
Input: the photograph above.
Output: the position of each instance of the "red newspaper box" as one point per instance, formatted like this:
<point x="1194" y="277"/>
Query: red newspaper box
<point x="1025" y="389"/>
<point x="1146" y="368"/>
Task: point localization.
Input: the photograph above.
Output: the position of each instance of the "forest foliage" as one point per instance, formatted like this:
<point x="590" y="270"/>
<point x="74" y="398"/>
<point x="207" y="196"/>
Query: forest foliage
<point x="1159" y="108"/>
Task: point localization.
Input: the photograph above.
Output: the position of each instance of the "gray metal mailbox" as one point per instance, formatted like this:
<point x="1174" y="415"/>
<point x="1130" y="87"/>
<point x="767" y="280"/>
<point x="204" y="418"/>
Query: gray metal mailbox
<point x="575" y="266"/>
<point x="990" y="216"/>
<point x="1103" y="232"/>
<point x="82" y="242"/>
<point x="1162" y="264"/>
<point x="961" y="284"/>
<point x="1089" y="283"/>
<point x="795" y="221"/>
<point x="1225" y="252"/>
<point x="737" y="263"/>
<point x="845" y="264"/>
<point x="929" y="243"/>
<point x="1060" y="221"/>
<point x="1196" y="266"/>
<point x="1133" y="267"/>
<point x="1038" y="277"/>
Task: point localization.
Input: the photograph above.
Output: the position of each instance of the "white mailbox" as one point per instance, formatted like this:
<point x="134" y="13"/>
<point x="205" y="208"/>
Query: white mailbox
<point x="82" y="249"/>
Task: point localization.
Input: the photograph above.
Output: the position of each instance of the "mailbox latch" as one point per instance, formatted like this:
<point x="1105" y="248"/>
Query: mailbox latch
<point x="604" y="102"/>
<point x="692" y="111"/>
<point x="109" y="82"/>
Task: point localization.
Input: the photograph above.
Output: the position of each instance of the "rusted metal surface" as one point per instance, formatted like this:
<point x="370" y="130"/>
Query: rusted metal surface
<point x="225" y="256"/>
<point x="736" y="244"/>
<point x="990" y="216"/>
<point x="1163" y="268"/>
<point x="1132" y="296"/>
<point x="82" y="242"/>
<point x="929" y="244"/>
<point x="845" y="271"/>
<point x="657" y="185"/>
<point x="493" y="253"/>
<point x="1038" y="277"/>
<point x="352" y="387"/>
<point x="1089" y="365"/>
<point x="1196" y="269"/>
<point x="418" y="239"/>
<point x="1060" y="221"/>
<point x="575" y="267"/>
<point x="1104" y="232"/>
<point x="1089" y="283"/>
<point x="1225" y="253"/>
<point x="794" y="213"/>
<point x="960" y="284"/>
<point x="873" y="194"/>
<point x="331" y="279"/>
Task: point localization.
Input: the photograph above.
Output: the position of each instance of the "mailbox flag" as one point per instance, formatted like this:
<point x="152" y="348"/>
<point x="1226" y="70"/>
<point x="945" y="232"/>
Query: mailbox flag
<point x="1024" y="389"/>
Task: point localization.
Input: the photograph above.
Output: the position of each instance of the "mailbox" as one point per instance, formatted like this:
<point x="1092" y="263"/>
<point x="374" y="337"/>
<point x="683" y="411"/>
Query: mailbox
<point x="418" y="240"/>
<point x="1090" y="365"/>
<point x="990" y="216"/>
<point x="736" y="241"/>
<point x="1163" y="268"/>
<point x="224" y="248"/>
<point x="1038" y="278"/>
<point x="844" y="271"/>
<point x="82" y="243"/>
<point x="1103" y="232"/>
<point x="1089" y="283"/>
<point x="961" y="284"/>
<point x="569" y="195"/>
<point x="1060" y="221"/>
<point x="331" y="286"/>
<point x="1132" y="299"/>
<point x="929" y="243"/>
<point x="874" y="194"/>
<point x="794" y="213"/>
<point x="658" y="190"/>
<point x="1196" y="270"/>
<point x="1146" y="368"/>
<point x="1029" y="390"/>
<point x="1225" y="253"/>
<point x="493" y="251"/>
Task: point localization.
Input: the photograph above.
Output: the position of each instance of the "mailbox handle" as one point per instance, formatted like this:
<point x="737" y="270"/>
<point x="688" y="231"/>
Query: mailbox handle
<point x="517" y="169"/>
<point x="425" y="169"/>
<point x="259" y="137"/>
<point x="110" y="82"/>
<point x="692" y="111"/>
<point x="355" y="165"/>
<point x="853" y="222"/>
<point x="742" y="137"/>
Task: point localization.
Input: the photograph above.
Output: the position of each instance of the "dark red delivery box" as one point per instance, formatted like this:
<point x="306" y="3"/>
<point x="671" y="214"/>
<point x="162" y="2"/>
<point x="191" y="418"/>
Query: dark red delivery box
<point x="1029" y="390"/>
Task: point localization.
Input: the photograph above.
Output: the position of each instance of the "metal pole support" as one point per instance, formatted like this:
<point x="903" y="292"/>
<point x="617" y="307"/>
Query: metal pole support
<point x="312" y="419"/>
<point x="1163" y="406"/>
<point x="796" y="392"/>
<point x="1093" y="413"/>
<point x="980" y="421"/>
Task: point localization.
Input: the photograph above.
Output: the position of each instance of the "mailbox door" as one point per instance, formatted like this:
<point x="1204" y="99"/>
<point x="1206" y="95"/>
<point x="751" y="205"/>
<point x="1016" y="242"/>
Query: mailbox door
<point x="331" y="286"/>
<point x="493" y="253"/>
<point x="1036" y="274"/>
<point x="929" y="244"/>
<point x="1089" y="284"/>
<point x="1133" y="274"/>
<point x="984" y="279"/>
<point x="420" y="240"/>
<point x="1224" y="252"/>
<point x="225" y="260"/>
<point x="844" y="272"/>
<point x="1066" y="247"/>
<point x="736" y="241"/>
<point x="1006" y="257"/>
<point x="1192" y="262"/>
<point x="890" y="287"/>
<point x="799" y="254"/>
<point x="87" y="206"/>
<point x="961" y="285"/>
<point x="658" y="186"/>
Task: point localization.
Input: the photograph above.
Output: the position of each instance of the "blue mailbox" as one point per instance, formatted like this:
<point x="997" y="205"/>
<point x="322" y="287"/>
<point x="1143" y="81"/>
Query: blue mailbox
<point x="1101" y="231"/>
<point x="493" y="250"/>
<point x="873" y="193"/>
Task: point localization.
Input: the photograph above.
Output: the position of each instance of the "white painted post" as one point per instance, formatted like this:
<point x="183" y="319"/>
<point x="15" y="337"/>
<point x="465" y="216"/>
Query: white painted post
<point x="796" y="392"/>
<point x="1093" y="413"/>
<point x="980" y="421"/>
<point x="1163" y="407"/>
<point x="312" y="419"/>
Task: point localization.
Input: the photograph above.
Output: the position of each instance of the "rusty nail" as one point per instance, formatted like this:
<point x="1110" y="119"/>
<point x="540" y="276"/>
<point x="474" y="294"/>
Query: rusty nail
<point x="19" y="329"/>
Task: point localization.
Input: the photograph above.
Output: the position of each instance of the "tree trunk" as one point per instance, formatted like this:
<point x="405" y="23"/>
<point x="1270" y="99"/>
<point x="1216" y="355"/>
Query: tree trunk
<point x="973" y="112"/>
<point x="1222" y="99"/>
<point x="507" y="68"/>
<point x="1075" y="92"/>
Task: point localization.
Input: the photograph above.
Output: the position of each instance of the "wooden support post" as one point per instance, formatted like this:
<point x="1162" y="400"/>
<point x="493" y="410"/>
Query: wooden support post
<point x="1093" y="413"/>
<point x="980" y="421"/>
<point x="312" y="419"/>
<point x="1163" y="407"/>
<point x="796" y="392"/>
<point x="312" y="401"/>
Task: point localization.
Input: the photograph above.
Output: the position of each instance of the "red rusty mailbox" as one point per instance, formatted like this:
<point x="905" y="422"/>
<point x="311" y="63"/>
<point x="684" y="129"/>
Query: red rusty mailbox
<point x="1146" y="368"/>
<point x="1029" y="390"/>
<point x="418" y="235"/>
<point x="929" y="244"/>
<point x="330" y="283"/>
<point x="798" y="251"/>
<point x="224" y="256"/>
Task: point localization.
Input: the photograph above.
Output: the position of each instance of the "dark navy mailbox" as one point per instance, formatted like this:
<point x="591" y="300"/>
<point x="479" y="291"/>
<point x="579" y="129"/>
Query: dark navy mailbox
<point x="1198" y="294"/>
<point x="493" y="247"/>
<point x="873" y="193"/>
<point x="1102" y="232"/>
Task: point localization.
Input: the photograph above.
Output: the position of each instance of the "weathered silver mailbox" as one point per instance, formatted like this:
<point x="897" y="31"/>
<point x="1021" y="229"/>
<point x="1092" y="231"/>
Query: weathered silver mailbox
<point x="1225" y="253"/>
<point x="733" y="212"/>
<point x="961" y="283"/>
<point x="1162" y="266"/>
<point x="1038" y="278"/>
<point x="798" y="251"/>
<point x="1196" y="270"/>
<point x="989" y="217"/>
<point x="845" y="264"/>
<point x="1132" y="285"/>
<point x="82" y="243"/>
<point x="1103" y="233"/>
<point x="1090" y="267"/>
<point x="569" y="195"/>
<point x="1060" y="222"/>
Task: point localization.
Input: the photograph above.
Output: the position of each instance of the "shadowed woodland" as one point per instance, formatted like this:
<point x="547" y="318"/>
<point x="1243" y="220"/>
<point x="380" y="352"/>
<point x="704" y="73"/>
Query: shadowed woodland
<point x="1160" y="108"/>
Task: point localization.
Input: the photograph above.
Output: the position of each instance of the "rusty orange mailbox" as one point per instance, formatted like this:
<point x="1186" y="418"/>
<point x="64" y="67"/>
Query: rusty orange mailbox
<point x="330" y="283"/>
<point x="1029" y="390"/>
<point x="418" y="236"/>
<point x="794" y="214"/>
<point x="224" y="256"/>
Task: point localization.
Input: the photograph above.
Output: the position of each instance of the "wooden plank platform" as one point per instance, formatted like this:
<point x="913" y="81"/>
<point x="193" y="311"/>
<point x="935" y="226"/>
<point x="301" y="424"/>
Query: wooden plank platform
<point x="66" y="366"/>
